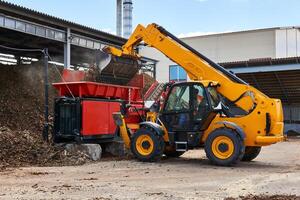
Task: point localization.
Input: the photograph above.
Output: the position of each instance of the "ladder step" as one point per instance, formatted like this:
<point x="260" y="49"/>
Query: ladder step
<point x="181" y="146"/>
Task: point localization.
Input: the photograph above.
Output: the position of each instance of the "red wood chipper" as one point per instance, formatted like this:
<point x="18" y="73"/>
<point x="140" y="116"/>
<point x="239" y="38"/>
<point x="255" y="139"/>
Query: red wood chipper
<point x="83" y="109"/>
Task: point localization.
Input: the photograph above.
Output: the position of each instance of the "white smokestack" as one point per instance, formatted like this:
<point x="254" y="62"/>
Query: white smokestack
<point x="127" y="18"/>
<point x="119" y="17"/>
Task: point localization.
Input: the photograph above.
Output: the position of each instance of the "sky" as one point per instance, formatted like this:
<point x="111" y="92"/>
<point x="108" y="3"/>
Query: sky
<point x="181" y="17"/>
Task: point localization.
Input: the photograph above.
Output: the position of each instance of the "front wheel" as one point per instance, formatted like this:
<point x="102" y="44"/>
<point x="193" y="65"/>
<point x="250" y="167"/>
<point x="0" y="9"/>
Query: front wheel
<point x="224" y="147"/>
<point x="251" y="153"/>
<point x="147" y="145"/>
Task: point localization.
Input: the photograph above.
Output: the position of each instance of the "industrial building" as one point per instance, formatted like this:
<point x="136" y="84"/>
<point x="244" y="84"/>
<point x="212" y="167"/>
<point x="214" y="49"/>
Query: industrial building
<point x="266" y="58"/>
<point x="68" y="42"/>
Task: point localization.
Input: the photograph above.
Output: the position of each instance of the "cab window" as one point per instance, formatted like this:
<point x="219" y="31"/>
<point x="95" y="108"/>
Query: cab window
<point x="199" y="102"/>
<point x="179" y="99"/>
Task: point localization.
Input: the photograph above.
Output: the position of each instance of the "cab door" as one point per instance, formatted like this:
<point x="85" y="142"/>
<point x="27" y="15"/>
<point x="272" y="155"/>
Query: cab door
<point x="176" y="113"/>
<point x="185" y="108"/>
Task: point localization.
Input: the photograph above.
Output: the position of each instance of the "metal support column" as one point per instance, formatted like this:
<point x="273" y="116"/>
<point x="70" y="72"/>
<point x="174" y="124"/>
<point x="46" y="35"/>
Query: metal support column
<point x="282" y="88"/>
<point x="67" y="49"/>
<point x="46" y="85"/>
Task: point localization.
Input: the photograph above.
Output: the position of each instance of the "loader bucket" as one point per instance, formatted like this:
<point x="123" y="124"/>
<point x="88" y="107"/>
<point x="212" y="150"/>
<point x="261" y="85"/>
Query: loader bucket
<point x="115" y="70"/>
<point x="102" y="59"/>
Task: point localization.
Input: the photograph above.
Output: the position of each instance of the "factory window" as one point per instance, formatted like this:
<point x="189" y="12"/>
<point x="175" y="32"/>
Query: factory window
<point x="89" y="44"/>
<point x="58" y="35"/>
<point x="96" y="45"/>
<point x="20" y="26"/>
<point x="75" y="40"/>
<point x="30" y="28"/>
<point x="10" y="23"/>
<point x="177" y="73"/>
<point x="1" y="21"/>
<point x="50" y="33"/>
<point x="82" y="42"/>
<point x="41" y="31"/>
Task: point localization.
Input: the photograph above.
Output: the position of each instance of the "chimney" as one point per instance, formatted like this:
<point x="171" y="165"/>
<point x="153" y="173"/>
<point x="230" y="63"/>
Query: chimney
<point x="127" y="18"/>
<point x="119" y="17"/>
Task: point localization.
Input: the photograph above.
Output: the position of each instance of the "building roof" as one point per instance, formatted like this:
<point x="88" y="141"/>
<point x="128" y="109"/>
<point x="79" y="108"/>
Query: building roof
<point x="261" y="62"/>
<point x="36" y="16"/>
<point x="241" y="31"/>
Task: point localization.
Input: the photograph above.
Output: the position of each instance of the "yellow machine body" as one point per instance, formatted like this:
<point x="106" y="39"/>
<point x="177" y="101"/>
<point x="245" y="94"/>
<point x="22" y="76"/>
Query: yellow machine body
<point x="262" y="125"/>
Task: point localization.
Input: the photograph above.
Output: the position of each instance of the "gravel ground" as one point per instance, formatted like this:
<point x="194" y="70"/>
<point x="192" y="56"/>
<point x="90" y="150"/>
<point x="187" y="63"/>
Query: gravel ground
<point x="275" y="172"/>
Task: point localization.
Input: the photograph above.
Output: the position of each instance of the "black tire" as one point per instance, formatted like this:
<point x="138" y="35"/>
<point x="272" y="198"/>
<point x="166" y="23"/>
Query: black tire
<point x="236" y="144"/>
<point x="251" y="153"/>
<point x="174" y="153"/>
<point x="157" y="145"/>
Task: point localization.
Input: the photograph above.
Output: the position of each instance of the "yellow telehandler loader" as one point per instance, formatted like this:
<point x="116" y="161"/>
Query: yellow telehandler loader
<point x="216" y="110"/>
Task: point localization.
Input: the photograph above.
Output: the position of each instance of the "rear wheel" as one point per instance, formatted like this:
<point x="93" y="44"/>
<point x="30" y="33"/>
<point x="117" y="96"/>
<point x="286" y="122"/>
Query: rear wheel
<point x="224" y="147"/>
<point x="147" y="145"/>
<point x="251" y="153"/>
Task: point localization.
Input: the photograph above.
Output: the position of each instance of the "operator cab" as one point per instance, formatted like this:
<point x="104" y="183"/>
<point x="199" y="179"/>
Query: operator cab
<point x="188" y="110"/>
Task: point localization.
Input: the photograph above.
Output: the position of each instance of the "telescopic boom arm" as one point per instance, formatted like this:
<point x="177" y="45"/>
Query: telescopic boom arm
<point x="197" y="66"/>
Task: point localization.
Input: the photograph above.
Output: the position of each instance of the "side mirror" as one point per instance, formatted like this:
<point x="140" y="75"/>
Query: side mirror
<point x="218" y="108"/>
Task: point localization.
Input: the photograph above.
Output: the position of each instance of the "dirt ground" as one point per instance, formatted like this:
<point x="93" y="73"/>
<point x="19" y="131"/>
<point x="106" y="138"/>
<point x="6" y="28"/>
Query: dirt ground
<point x="275" y="171"/>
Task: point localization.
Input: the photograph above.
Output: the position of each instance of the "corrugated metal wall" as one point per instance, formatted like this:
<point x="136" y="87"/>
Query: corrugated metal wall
<point x="287" y="42"/>
<point x="292" y="113"/>
<point x="236" y="46"/>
